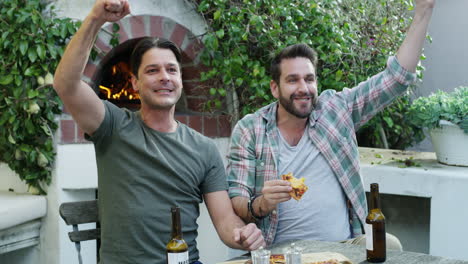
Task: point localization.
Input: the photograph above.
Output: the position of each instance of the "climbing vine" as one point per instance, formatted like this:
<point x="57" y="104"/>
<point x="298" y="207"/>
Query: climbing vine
<point x="32" y="41"/>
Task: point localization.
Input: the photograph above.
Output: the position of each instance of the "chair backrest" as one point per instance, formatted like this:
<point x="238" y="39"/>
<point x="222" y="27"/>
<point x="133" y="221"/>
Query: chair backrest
<point x="75" y="213"/>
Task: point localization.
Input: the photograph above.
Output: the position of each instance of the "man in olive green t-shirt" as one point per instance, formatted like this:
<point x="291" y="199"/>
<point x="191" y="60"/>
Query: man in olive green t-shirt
<point x="147" y="161"/>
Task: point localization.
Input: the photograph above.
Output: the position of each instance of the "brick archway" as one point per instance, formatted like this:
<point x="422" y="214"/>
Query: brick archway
<point x="146" y="25"/>
<point x="157" y="26"/>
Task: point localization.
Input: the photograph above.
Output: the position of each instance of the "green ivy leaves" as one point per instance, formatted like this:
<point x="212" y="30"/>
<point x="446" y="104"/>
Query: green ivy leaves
<point x="31" y="44"/>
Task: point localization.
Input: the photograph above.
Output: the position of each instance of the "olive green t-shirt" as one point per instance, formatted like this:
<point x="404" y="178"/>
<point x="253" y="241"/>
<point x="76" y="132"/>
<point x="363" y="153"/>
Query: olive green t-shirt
<point x="142" y="173"/>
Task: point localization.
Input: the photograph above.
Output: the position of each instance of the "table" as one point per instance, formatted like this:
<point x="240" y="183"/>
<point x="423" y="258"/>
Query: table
<point x="445" y="187"/>
<point x="357" y="253"/>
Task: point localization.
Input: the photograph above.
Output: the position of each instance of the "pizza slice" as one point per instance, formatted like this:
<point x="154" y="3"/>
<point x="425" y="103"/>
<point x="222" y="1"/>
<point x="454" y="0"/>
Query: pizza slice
<point x="330" y="261"/>
<point x="298" y="186"/>
<point x="277" y="259"/>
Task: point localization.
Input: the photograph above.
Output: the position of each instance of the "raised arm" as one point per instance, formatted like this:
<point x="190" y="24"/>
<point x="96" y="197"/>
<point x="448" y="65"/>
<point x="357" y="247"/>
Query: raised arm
<point x="410" y="50"/>
<point x="79" y="99"/>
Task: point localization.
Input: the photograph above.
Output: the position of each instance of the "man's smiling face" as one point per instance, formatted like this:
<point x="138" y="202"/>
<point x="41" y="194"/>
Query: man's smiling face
<point x="297" y="88"/>
<point x="159" y="79"/>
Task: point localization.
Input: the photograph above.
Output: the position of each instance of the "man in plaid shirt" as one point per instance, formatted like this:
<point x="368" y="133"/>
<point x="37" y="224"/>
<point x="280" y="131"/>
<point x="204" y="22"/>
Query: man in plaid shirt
<point x="314" y="137"/>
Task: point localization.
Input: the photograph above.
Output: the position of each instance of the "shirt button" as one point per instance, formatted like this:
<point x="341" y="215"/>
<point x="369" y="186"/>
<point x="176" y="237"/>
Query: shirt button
<point x="262" y="164"/>
<point x="273" y="212"/>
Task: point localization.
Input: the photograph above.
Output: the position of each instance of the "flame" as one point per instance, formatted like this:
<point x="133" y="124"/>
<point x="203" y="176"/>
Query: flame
<point x="107" y="90"/>
<point x="122" y="88"/>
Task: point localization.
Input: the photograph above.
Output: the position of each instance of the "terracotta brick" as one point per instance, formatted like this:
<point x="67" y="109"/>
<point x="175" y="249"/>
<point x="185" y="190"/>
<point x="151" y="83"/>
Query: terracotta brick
<point x="65" y="110"/>
<point x="196" y="104"/>
<point x="185" y="59"/>
<point x="196" y="89"/>
<point x="80" y="136"/>
<point x="224" y="125"/>
<point x="210" y="126"/>
<point x="105" y="47"/>
<point x="193" y="72"/>
<point x="89" y="70"/>
<point x="137" y="26"/>
<point x="156" y="29"/>
<point x="68" y="130"/>
<point x="178" y="35"/>
<point x="196" y="122"/>
<point x="194" y="48"/>
<point x="182" y="118"/>
<point x="189" y="88"/>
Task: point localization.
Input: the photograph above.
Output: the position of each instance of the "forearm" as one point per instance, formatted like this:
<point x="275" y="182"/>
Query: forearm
<point x="225" y="231"/>
<point x="240" y="205"/>
<point x="70" y="69"/>
<point x="231" y="229"/>
<point x="410" y="51"/>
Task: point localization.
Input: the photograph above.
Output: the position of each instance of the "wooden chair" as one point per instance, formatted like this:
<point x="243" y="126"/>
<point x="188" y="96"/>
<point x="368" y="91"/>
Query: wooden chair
<point x="75" y="213"/>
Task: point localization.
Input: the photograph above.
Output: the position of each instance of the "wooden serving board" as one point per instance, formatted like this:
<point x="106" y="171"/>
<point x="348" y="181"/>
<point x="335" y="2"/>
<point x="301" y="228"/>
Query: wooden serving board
<point x="307" y="258"/>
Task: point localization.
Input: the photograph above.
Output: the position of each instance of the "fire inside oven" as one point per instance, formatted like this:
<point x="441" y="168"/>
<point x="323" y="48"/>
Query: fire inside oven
<point x="118" y="85"/>
<point x="113" y="78"/>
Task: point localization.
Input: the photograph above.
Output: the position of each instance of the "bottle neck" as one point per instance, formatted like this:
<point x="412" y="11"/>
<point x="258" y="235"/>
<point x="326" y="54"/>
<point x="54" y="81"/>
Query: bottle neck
<point x="176" y="227"/>
<point x="374" y="197"/>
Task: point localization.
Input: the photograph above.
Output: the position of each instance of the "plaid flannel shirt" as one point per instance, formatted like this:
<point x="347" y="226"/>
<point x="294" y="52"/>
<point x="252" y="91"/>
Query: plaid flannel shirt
<point x="253" y="154"/>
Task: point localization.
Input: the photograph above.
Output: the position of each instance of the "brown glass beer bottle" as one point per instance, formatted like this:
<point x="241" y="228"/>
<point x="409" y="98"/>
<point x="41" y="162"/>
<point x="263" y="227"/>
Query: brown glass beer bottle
<point x="375" y="228"/>
<point x="177" y="249"/>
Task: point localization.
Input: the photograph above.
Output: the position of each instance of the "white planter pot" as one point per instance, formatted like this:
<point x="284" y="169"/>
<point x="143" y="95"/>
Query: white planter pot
<point x="450" y="144"/>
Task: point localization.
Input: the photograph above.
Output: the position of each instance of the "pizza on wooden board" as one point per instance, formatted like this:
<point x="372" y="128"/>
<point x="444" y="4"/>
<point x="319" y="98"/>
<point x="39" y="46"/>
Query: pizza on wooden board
<point x="298" y="185"/>
<point x="279" y="259"/>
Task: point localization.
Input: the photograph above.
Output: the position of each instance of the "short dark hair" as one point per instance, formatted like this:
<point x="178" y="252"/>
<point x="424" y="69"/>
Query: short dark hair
<point x="291" y="52"/>
<point x="147" y="43"/>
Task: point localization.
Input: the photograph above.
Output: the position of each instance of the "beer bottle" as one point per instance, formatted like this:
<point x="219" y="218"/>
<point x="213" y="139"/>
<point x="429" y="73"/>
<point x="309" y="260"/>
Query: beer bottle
<point x="375" y="228"/>
<point x="176" y="249"/>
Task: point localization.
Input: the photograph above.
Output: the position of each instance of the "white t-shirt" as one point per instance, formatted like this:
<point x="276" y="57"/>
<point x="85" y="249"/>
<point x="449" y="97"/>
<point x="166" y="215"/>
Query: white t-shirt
<point x="322" y="213"/>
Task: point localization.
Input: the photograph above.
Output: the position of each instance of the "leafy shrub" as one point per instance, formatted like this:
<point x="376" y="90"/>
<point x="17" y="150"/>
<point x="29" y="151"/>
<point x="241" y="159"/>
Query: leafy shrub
<point x="452" y="107"/>
<point x="31" y="44"/>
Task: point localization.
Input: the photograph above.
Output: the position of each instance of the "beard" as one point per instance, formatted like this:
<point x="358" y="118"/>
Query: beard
<point x="293" y="109"/>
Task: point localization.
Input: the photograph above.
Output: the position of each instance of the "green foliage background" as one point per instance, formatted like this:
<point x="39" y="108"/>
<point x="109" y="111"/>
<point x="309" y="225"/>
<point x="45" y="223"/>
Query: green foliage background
<point x="452" y="107"/>
<point x="353" y="40"/>
<point x="31" y="44"/>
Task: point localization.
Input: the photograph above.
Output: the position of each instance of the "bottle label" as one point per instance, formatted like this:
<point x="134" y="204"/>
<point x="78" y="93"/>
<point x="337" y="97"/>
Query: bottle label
<point x="369" y="237"/>
<point x="178" y="258"/>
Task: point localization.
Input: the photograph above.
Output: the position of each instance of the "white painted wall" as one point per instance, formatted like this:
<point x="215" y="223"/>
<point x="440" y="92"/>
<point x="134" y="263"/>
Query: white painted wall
<point x="447" y="59"/>
<point x="10" y="181"/>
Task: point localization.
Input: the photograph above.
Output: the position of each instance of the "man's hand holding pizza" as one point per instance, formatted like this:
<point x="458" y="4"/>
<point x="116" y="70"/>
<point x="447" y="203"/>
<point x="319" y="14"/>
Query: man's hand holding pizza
<point x="278" y="191"/>
<point x="273" y="193"/>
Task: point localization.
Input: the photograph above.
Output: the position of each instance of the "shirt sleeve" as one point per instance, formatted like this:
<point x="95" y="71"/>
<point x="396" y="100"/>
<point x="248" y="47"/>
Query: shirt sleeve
<point x="241" y="161"/>
<point x="371" y="96"/>
<point x="215" y="178"/>
<point x="103" y="134"/>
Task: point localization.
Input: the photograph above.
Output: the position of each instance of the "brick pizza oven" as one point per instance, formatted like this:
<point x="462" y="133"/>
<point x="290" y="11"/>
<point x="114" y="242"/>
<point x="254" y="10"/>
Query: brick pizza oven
<point x="108" y="74"/>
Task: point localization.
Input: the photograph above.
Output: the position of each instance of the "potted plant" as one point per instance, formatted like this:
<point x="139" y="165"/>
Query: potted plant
<point x="446" y="117"/>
